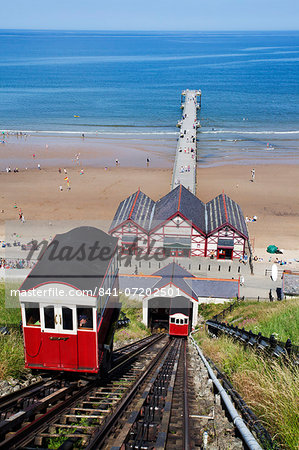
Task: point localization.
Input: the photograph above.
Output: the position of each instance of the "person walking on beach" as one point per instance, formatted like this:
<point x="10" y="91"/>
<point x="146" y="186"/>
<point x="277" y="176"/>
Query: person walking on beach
<point x="116" y="162"/>
<point x="147" y="162"/>
<point x="252" y="175"/>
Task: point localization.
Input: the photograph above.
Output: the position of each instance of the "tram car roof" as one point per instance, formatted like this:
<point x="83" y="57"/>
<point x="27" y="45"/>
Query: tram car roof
<point x="69" y="260"/>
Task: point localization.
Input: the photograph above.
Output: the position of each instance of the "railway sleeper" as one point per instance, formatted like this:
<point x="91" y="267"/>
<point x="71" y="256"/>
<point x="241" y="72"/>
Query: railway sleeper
<point x="145" y="431"/>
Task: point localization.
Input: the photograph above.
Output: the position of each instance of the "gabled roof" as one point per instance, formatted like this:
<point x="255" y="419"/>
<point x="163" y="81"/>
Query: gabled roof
<point x="183" y="201"/>
<point x="138" y="207"/>
<point x="173" y="270"/>
<point x="141" y="209"/>
<point x="166" y="207"/>
<point x="174" y="274"/>
<point x="67" y="260"/>
<point x="223" y="210"/>
<point x="193" y="209"/>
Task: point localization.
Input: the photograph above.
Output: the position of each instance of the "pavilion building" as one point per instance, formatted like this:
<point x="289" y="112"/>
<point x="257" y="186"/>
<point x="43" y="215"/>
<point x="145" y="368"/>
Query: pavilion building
<point x="180" y="225"/>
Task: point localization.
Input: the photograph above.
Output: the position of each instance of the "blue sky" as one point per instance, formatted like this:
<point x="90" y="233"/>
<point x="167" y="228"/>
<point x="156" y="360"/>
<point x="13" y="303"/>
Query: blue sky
<point x="151" y="14"/>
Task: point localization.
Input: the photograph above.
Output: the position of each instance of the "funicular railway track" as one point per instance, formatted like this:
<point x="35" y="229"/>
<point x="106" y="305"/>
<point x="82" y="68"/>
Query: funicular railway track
<point x="165" y="413"/>
<point x="148" y="401"/>
<point x="23" y="413"/>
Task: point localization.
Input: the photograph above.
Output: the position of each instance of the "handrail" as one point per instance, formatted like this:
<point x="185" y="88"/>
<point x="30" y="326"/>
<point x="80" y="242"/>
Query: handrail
<point x="276" y="348"/>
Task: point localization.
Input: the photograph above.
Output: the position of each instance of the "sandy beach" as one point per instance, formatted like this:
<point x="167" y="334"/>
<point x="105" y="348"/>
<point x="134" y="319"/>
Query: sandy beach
<point x="95" y="150"/>
<point x="94" y="196"/>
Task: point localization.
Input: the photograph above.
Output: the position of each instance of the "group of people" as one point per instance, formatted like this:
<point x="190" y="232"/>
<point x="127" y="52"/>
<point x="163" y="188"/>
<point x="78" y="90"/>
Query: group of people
<point x="185" y="169"/>
<point x="244" y="259"/>
<point x="117" y="162"/>
<point x="66" y="178"/>
<point x="251" y="219"/>
<point x="16" y="263"/>
<point x="8" y="170"/>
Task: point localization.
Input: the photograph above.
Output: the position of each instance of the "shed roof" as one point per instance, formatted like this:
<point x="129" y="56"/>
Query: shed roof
<point x="214" y="288"/>
<point x="174" y="273"/>
<point x="68" y="260"/>
<point x="291" y="283"/>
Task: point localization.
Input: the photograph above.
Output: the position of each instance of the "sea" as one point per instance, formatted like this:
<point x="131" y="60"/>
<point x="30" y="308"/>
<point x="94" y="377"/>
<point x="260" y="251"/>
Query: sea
<point x="127" y="85"/>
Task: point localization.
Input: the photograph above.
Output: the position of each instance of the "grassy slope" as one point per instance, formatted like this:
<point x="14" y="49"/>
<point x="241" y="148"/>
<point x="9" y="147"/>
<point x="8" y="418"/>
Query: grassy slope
<point x="280" y="318"/>
<point x="11" y="347"/>
<point x="136" y="329"/>
<point x="270" y="388"/>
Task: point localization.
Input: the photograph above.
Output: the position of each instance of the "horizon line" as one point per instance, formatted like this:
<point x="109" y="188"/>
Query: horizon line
<point x="150" y="30"/>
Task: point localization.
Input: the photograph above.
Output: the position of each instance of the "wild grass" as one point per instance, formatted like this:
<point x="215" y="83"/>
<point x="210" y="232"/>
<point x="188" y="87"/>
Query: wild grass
<point x="208" y="310"/>
<point x="279" y="318"/>
<point x="11" y="355"/>
<point x="136" y="329"/>
<point x="8" y="315"/>
<point x="11" y="346"/>
<point x="269" y="387"/>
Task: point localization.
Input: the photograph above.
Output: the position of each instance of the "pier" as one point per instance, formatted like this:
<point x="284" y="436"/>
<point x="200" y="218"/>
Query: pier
<point x="184" y="170"/>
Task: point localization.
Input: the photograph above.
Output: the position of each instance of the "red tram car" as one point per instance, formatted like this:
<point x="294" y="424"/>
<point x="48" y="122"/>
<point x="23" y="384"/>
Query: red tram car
<point x="179" y="317"/>
<point x="70" y="304"/>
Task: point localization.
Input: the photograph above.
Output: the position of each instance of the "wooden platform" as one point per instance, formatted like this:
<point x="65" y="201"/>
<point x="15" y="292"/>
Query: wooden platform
<point x="184" y="171"/>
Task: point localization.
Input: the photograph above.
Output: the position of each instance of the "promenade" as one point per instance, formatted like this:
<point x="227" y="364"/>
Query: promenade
<point x="184" y="170"/>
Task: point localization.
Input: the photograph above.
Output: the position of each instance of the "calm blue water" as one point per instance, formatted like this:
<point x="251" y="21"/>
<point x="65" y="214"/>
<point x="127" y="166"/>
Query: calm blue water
<point x="122" y="82"/>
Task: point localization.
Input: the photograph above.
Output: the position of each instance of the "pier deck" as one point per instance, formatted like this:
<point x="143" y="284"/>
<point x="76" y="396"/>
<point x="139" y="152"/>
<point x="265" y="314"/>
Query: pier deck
<point x="184" y="170"/>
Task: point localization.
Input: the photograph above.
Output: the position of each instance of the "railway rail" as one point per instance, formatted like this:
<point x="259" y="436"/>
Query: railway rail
<point x="148" y="401"/>
<point x="32" y="408"/>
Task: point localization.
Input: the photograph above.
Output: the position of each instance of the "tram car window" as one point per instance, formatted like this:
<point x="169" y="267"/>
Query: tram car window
<point x="49" y="317"/>
<point x="84" y="318"/>
<point x="32" y="314"/>
<point x="67" y="318"/>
